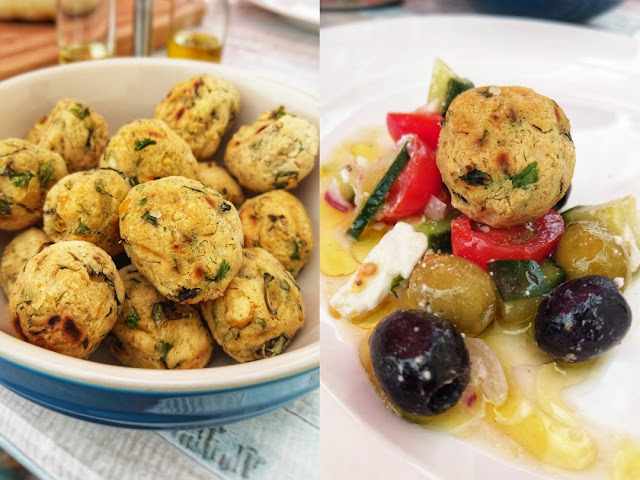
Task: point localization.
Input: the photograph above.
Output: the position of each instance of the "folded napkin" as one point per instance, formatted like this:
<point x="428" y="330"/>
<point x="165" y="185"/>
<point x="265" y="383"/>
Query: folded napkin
<point x="282" y="445"/>
<point x="279" y="445"/>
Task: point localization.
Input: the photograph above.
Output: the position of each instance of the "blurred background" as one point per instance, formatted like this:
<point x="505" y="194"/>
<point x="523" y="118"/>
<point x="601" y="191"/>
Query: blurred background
<point x="621" y="16"/>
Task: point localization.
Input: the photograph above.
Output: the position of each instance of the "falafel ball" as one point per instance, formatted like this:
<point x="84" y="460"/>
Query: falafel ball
<point x="506" y="154"/>
<point x="148" y="149"/>
<point x="17" y="252"/>
<point x="221" y="181"/>
<point x="201" y="110"/>
<point x="77" y="132"/>
<point x="84" y="206"/>
<point x="260" y="312"/>
<point x="27" y="172"/>
<point x="153" y="332"/>
<point x="183" y="236"/>
<point x="275" y="152"/>
<point x="35" y="134"/>
<point x="67" y="299"/>
<point x="278" y="222"/>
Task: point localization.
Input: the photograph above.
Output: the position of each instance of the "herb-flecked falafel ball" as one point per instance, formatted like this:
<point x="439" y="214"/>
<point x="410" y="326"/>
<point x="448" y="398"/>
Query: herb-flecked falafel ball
<point x="183" y="237"/>
<point x="17" y="252"/>
<point x="75" y="131"/>
<point x="260" y="311"/>
<point x="84" y="206"/>
<point x="506" y="154"/>
<point x="278" y="222"/>
<point x="146" y="150"/>
<point x="275" y="152"/>
<point x="201" y="110"/>
<point x="153" y="332"/>
<point x="67" y="299"/>
<point x="27" y="172"/>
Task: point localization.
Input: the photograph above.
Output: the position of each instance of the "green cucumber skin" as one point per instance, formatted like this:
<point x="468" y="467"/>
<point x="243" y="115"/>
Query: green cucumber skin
<point x="440" y="242"/>
<point x="517" y="279"/>
<point x="376" y="198"/>
<point x="438" y="234"/>
<point x="455" y="88"/>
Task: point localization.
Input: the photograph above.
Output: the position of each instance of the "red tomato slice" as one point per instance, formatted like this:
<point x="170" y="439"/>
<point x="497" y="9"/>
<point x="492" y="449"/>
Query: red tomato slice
<point x="425" y="125"/>
<point x="481" y="244"/>
<point x="412" y="190"/>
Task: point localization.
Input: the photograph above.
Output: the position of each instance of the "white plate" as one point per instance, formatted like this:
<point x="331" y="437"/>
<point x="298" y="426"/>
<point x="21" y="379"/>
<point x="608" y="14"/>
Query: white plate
<point x="594" y="77"/>
<point x="303" y="13"/>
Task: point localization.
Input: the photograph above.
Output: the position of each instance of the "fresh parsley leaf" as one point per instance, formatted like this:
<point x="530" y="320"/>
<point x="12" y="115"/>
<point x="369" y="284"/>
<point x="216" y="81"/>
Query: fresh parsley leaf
<point x="296" y="250"/>
<point x="526" y="177"/>
<point x="222" y="271"/>
<point x="145" y="142"/>
<point x="80" y="111"/>
<point x="132" y="319"/>
<point x="282" y="178"/>
<point x="142" y="202"/>
<point x="100" y="188"/>
<point x="281" y="112"/>
<point x="148" y="218"/>
<point x="163" y="348"/>
<point x="476" y="177"/>
<point x="5" y="207"/>
<point x="45" y="172"/>
<point x="20" y="179"/>
<point x="394" y="284"/>
<point x="284" y="285"/>
<point x="82" y="229"/>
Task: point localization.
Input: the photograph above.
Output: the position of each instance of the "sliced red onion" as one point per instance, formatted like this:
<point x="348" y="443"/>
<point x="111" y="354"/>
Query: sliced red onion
<point x="334" y="198"/>
<point x="486" y="371"/>
<point x="436" y="209"/>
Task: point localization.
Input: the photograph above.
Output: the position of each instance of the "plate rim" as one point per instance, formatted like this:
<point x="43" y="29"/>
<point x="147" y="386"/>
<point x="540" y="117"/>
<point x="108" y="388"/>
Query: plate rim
<point x="328" y="323"/>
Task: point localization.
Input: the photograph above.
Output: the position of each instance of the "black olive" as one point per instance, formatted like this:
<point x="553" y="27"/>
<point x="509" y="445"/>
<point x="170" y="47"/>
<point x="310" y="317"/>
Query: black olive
<point x="561" y="203"/>
<point x="420" y="361"/>
<point x="582" y="318"/>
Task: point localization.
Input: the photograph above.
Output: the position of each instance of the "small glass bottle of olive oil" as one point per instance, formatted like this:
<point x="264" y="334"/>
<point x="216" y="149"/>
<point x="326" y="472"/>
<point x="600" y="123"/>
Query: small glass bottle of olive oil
<point x="198" y="29"/>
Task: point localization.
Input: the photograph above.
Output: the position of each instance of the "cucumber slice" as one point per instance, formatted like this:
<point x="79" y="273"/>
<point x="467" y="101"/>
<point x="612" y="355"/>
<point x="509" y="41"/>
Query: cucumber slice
<point x="518" y="279"/>
<point x="552" y="272"/>
<point x="376" y="198"/>
<point x="619" y="217"/>
<point x="445" y="86"/>
<point x="438" y="233"/>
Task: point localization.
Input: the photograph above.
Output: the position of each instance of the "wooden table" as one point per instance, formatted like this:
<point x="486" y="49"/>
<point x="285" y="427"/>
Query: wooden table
<point x="26" y="46"/>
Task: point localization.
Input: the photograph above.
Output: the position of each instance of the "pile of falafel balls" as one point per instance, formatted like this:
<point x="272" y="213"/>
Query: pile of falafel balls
<point x="203" y="262"/>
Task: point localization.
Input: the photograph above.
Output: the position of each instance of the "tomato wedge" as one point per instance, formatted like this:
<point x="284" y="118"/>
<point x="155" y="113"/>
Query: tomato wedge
<point x="419" y="180"/>
<point x="425" y="125"/>
<point x="481" y="244"/>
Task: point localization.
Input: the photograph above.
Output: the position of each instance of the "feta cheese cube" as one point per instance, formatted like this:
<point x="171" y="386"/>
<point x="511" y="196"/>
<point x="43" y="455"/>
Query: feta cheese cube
<point x="397" y="253"/>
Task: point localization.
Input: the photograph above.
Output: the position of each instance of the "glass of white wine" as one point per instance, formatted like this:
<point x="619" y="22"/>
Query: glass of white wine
<point x="86" y="29"/>
<point x="198" y="29"/>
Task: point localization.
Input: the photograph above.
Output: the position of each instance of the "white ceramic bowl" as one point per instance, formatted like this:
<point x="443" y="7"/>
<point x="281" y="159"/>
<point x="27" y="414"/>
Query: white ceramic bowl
<point x="100" y="390"/>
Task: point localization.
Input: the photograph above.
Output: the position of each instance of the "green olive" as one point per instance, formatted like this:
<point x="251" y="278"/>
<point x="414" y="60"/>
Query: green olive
<point x="455" y="289"/>
<point x="586" y="248"/>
